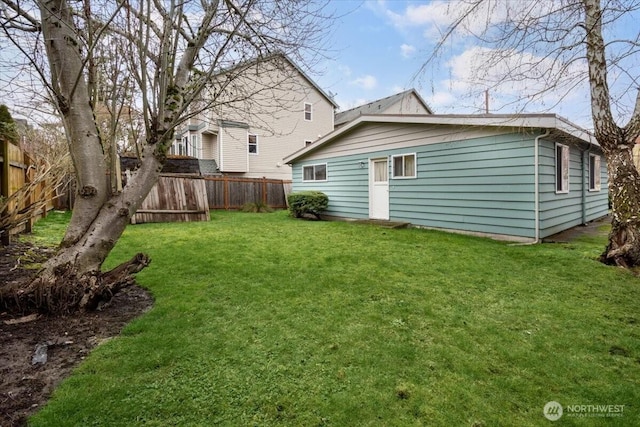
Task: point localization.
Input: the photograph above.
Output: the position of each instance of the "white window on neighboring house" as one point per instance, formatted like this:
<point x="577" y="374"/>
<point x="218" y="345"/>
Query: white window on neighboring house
<point x="314" y="172"/>
<point x="178" y="147"/>
<point x="594" y="172"/>
<point x="562" y="168"/>
<point x="195" y="145"/>
<point x="308" y="111"/>
<point x="184" y="147"/>
<point x="404" y="166"/>
<point x="253" y="143"/>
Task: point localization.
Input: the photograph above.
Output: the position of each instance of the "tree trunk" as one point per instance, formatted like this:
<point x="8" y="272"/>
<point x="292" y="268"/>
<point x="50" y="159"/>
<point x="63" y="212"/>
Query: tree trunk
<point x="72" y="279"/>
<point x="623" y="248"/>
<point x="617" y="143"/>
<point x="74" y="103"/>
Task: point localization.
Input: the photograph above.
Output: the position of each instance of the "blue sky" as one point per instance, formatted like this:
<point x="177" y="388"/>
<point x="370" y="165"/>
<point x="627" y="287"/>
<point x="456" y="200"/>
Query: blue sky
<point x="378" y="47"/>
<point x="369" y="61"/>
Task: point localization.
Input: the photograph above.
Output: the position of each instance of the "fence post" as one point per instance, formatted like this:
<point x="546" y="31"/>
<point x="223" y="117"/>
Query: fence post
<point x="5" y="235"/>
<point x="4" y="191"/>
<point x="225" y="192"/>
<point x="29" y="197"/>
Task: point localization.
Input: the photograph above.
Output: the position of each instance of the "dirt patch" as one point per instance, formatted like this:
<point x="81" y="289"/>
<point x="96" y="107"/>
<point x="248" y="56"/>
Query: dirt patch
<point x="25" y="382"/>
<point x="590" y="229"/>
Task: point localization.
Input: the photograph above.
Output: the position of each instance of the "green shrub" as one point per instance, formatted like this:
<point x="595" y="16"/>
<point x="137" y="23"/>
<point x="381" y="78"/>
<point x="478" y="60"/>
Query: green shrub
<point x="307" y="203"/>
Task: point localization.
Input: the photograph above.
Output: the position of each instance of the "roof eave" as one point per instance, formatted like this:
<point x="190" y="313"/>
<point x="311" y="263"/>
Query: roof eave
<point x="521" y="121"/>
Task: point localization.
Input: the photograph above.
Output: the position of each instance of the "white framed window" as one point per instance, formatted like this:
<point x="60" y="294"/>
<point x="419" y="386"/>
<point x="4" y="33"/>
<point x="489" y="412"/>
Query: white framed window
<point x="253" y="143"/>
<point x="314" y="172"/>
<point x="307" y="142"/>
<point x="404" y="166"/>
<point x="308" y="109"/>
<point x="195" y="145"/>
<point x="594" y="172"/>
<point x="562" y="168"/>
<point x="182" y="146"/>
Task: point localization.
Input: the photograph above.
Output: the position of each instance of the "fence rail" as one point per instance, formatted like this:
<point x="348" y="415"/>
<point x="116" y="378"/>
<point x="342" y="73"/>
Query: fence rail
<point x="227" y="192"/>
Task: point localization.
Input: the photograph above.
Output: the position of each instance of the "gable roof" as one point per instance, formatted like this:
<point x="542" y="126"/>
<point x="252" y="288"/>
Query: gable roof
<point x="378" y="106"/>
<point x="282" y="56"/>
<point x="559" y="127"/>
<point x="310" y="80"/>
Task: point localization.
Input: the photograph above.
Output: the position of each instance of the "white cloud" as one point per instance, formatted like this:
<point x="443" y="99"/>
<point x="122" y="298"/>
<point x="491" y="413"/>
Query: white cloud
<point x="514" y="80"/>
<point x="436" y="17"/>
<point x="347" y="104"/>
<point x="433" y="15"/>
<point x="511" y="71"/>
<point x="440" y="100"/>
<point x="407" y="50"/>
<point x="366" y="82"/>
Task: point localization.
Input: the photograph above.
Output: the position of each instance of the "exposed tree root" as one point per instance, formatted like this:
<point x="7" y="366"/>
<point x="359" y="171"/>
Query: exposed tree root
<point x="67" y="291"/>
<point x="623" y="248"/>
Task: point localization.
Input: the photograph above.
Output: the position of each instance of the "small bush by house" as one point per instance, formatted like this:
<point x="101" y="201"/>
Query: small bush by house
<point x="307" y="203"/>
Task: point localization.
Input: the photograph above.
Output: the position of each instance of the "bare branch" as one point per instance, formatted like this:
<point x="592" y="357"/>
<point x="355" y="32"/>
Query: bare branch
<point x="32" y="24"/>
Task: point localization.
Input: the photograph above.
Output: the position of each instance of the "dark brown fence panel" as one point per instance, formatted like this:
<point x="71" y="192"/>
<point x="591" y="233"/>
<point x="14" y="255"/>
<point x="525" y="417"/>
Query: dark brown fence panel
<point x="227" y="192"/>
<point x="276" y="194"/>
<point x="175" y="198"/>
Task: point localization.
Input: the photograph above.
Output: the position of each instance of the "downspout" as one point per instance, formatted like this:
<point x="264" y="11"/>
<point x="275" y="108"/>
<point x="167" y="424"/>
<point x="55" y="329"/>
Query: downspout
<point x="536" y="182"/>
<point x="585" y="181"/>
<point x="536" y="185"/>
<point x="536" y="190"/>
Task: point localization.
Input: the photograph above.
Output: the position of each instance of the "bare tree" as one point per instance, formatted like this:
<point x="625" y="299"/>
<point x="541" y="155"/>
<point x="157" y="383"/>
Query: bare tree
<point x="547" y="50"/>
<point x="167" y="54"/>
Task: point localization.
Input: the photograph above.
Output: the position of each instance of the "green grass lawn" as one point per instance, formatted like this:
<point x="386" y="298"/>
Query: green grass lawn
<point x="264" y="320"/>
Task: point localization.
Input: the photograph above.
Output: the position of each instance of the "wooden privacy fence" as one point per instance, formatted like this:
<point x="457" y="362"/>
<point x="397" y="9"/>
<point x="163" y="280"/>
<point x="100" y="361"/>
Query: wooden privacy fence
<point x="174" y="198"/>
<point x="19" y="175"/>
<point x="14" y="168"/>
<point x="225" y="192"/>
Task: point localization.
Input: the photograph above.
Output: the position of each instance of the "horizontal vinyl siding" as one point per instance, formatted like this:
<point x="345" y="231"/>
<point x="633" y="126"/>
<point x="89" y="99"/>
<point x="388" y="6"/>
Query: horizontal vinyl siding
<point x="597" y="203"/>
<point x="481" y="184"/>
<point x="234" y="152"/>
<point x="380" y="137"/>
<point x="269" y="98"/>
<point x="347" y="186"/>
<point x="210" y="147"/>
<point x="561" y="211"/>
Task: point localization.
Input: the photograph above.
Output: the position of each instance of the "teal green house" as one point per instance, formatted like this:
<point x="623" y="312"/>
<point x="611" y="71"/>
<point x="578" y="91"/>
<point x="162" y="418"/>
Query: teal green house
<point x="517" y="177"/>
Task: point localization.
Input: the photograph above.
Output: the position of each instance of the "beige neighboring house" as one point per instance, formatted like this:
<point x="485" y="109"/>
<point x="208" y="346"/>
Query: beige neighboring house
<point x="274" y="109"/>
<point x="408" y="102"/>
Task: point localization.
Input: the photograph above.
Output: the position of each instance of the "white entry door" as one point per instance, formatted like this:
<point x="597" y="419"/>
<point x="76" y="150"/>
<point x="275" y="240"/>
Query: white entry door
<point x="379" y="189"/>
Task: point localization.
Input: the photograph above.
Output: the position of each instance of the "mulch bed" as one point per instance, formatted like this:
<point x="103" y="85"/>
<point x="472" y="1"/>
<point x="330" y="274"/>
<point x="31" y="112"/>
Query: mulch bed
<point x="25" y="382"/>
